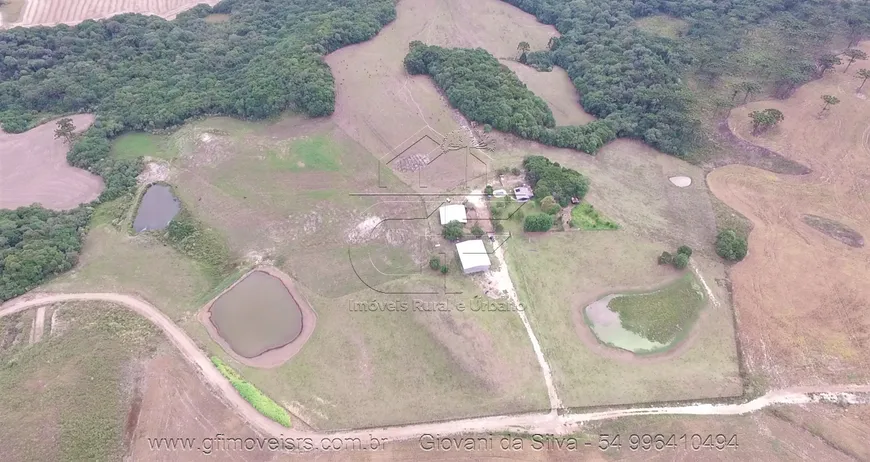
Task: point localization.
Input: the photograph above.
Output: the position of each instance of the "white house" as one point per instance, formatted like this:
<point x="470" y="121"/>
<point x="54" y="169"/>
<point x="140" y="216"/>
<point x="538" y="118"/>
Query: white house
<point x="473" y="256"/>
<point x="523" y="193"/>
<point x="452" y="212"/>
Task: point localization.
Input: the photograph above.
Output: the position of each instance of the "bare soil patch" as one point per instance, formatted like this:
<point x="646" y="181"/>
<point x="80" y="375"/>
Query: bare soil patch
<point x="33" y="168"/>
<point x="175" y="403"/>
<point x="274" y="356"/>
<point x="745" y="152"/>
<point x="835" y="230"/>
<point x="53" y="12"/>
<point x="556" y="88"/>
<point x="801" y="296"/>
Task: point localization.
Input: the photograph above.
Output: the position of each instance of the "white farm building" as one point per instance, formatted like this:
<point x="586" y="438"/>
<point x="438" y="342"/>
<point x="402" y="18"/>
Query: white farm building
<point x="452" y="212"/>
<point x="473" y="256"/>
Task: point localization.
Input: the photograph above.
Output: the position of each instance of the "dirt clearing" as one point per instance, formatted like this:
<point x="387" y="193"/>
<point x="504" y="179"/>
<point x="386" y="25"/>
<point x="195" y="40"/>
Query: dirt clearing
<point x="33" y="168"/>
<point x="70" y="12"/>
<point x="556" y="88"/>
<point x="801" y="296"/>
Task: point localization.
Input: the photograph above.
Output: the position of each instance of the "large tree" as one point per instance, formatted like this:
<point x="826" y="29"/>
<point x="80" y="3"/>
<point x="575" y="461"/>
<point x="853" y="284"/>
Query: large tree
<point x="65" y="129"/>
<point x="749" y="88"/>
<point x="864" y="74"/>
<point x="764" y="120"/>
<point x="829" y="100"/>
<point x="828" y="61"/>
<point x="853" y="54"/>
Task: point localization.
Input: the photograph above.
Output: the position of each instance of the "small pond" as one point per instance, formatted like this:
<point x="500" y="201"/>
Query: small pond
<point x="157" y="208"/>
<point x="257" y="315"/>
<point x="608" y="328"/>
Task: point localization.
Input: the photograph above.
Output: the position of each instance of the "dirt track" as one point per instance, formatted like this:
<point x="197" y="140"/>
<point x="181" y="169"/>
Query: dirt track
<point x="533" y="423"/>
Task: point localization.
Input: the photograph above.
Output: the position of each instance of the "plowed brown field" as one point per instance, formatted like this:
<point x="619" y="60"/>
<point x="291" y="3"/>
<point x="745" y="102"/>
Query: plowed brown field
<point x="52" y="12"/>
<point x="33" y="168"/>
<point x="802" y="297"/>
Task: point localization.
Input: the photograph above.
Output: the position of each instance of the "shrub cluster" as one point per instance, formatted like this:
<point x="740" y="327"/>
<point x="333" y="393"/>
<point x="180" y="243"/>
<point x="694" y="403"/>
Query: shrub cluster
<point x="551" y="179"/>
<point x="680" y="260"/>
<point x="731" y="246"/>
<point x="538" y="222"/>
<point x="453" y="231"/>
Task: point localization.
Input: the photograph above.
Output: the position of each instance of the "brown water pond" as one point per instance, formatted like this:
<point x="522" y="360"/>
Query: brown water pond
<point x="257" y="315"/>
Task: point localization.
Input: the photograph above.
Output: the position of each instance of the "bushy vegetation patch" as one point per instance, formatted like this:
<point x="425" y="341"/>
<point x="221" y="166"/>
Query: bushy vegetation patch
<point x="680" y="260"/>
<point x="488" y="92"/>
<point x="548" y="178"/>
<point x="36" y="243"/>
<point x="453" y="231"/>
<point x="538" y="222"/>
<point x="253" y="395"/>
<point x="730" y="246"/>
<point x="199" y="242"/>
<point x="663" y="315"/>
<point x="584" y="216"/>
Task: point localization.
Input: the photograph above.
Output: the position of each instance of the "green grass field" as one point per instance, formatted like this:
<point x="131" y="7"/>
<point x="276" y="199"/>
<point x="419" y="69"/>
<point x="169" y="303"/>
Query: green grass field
<point x="584" y="216"/>
<point x="133" y="145"/>
<point x="405" y="367"/>
<point x="558" y="274"/>
<point x="368" y="368"/>
<point x="65" y="397"/>
<point x="318" y="153"/>
<point x="663" y="315"/>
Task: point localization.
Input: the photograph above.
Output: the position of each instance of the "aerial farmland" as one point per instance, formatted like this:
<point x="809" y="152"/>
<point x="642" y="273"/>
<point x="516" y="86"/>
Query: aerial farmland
<point x="384" y="229"/>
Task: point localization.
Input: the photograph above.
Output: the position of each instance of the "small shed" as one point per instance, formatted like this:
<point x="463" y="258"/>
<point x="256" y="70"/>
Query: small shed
<point x="473" y="256"/>
<point x="452" y="212"/>
<point x="523" y="193"/>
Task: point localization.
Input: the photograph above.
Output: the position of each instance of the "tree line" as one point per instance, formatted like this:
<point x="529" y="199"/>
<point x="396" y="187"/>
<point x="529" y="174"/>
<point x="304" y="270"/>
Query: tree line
<point x="141" y="72"/>
<point x="486" y="91"/>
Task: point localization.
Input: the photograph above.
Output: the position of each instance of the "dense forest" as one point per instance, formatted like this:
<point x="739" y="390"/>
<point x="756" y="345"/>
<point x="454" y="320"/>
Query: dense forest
<point x="635" y="80"/>
<point x="36" y="243"/>
<point x="486" y="91"/>
<point x="141" y="72"/>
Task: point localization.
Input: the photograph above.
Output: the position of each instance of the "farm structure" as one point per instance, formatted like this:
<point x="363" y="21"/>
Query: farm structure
<point x="473" y="256"/>
<point x="452" y="212"/>
<point x="523" y="193"/>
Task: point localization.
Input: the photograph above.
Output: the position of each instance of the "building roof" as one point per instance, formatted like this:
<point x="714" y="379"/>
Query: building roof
<point x="523" y="191"/>
<point x="452" y="212"/>
<point x="472" y="254"/>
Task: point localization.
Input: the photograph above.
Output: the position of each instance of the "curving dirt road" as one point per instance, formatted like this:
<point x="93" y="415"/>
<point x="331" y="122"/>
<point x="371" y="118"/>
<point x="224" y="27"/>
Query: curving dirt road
<point x="531" y="423"/>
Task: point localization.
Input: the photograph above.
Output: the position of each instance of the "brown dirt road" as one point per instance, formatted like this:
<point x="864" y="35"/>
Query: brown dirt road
<point x="33" y="168"/>
<point x="801" y="296"/>
<point x="532" y="423"/>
